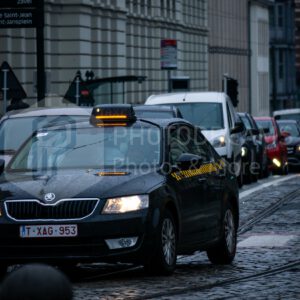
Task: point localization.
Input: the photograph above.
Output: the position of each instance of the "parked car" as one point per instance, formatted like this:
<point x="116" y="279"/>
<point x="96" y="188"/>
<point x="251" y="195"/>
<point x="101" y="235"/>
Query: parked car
<point x="292" y="141"/>
<point x="276" y="147"/>
<point x="16" y="126"/>
<point x="118" y="189"/>
<point x="215" y="115"/>
<point x="249" y="151"/>
<point x="157" y="111"/>
<point x="287" y="114"/>
<point x="255" y="152"/>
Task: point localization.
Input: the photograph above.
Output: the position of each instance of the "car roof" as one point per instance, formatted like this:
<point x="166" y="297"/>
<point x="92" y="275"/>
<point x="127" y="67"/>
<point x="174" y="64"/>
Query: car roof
<point x="263" y="118"/>
<point x="287" y="121"/>
<point x="286" y="111"/>
<point x="43" y="111"/>
<point x="172" y="98"/>
<point x="155" y="107"/>
<point x="162" y="123"/>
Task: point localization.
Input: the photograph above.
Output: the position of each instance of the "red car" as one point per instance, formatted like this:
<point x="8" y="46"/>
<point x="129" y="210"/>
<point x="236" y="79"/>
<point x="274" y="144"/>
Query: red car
<point x="276" y="147"/>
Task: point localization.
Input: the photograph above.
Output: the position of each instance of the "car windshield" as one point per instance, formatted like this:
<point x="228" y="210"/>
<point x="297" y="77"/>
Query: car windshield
<point x="89" y="148"/>
<point x="266" y="124"/>
<point x="246" y="122"/>
<point x="291" y="128"/>
<point x="206" y="115"/>
<point x="14" y="131"/>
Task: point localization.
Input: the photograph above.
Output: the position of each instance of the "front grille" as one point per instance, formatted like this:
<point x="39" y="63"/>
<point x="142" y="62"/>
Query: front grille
<point x="290" y="150"/>
<point x="66" y="209"/>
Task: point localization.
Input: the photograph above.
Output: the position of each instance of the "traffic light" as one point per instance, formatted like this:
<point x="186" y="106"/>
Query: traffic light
<point x="232" y="90"/>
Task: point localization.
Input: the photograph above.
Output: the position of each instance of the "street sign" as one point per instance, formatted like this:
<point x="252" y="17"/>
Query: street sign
<point x="18" y="13"/>
<point x="10" y="83"/>
<point x="168" y="54"/>
<point x="18" y="3"/>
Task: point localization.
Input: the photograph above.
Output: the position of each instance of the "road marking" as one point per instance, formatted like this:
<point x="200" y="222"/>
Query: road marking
<point x="271" y="240"/>
<point x="267" y="184"/>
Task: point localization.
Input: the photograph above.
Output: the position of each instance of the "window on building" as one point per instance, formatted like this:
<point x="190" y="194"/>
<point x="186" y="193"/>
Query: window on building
<point x="280" y="15"/>
<point x="280" y="64"/>
<point x="149" y="7"/>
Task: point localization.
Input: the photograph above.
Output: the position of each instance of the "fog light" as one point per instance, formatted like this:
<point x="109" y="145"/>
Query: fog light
<point x="276" y="162"/>
<point x="121" y="242"/>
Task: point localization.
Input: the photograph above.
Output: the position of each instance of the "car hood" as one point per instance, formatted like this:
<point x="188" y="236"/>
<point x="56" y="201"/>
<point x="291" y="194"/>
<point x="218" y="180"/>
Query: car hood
<point x="80" y="184"/>
<point x="212" y="134"/>
<point x="292" y="141"/>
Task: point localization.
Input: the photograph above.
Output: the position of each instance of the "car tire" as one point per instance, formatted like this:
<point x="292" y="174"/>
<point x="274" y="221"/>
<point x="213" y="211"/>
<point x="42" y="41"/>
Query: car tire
<point x="163" y="260"/>
<point x="224" y="251"/>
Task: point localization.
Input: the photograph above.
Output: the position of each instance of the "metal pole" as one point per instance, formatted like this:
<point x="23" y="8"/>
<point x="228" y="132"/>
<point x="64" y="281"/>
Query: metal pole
<point x="5" y="89"/>
<point x="169" y="81"/>
<point x="225" y="83"/>
<point x="40" y="52"/>
<point x="77" y="95"/>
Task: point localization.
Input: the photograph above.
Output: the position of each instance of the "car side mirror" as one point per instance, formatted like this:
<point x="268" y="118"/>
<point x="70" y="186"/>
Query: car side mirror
<point x="252" y="131"/>
<point x="2" y="165"/>
<point x="238" y="127"/>
<point x="189" y="160"/>
<point x="266" y="130"/>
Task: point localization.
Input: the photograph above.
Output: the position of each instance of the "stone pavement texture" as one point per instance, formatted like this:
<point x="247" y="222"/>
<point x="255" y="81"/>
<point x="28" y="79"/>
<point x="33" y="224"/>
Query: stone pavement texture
<point x="276" y="242"/>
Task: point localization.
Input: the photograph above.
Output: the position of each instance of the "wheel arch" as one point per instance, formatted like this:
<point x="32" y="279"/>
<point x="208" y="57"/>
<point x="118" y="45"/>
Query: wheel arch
<point x="171" y="206"/>
<point x="230" y="198"/>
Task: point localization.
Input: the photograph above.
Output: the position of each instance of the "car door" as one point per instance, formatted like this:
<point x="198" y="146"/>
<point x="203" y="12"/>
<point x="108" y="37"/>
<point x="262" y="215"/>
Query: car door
<point x="215" y="183"/>
<point x="193" y="185"/>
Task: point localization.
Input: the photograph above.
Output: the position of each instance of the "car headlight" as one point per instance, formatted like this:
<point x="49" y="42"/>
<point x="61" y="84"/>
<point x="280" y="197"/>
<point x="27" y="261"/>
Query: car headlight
<point x="244" y="151"/>
<point x="125" y="204"/>
<point x="219" y="142"/>
<point x="272" y="145"/>
<point x="298" y="148"/>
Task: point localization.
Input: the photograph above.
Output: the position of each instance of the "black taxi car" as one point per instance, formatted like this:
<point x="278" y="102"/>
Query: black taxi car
<point x="117" y="189"/>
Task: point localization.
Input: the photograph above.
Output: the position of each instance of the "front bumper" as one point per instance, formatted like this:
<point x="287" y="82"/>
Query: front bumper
<point x="274" y="154"/>
<point x="293" y="156"/>
<point x="88" y="246"/>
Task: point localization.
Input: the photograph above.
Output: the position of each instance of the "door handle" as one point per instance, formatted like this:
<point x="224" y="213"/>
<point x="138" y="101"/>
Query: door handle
<point x="202" y="179"/>
<point x="220" y="176"/>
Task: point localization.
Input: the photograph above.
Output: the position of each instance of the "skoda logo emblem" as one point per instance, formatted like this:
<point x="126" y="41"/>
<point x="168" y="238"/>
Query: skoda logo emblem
<point x="49" y="197"/>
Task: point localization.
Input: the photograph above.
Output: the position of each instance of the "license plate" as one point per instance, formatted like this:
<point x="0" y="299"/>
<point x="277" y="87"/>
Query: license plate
<point x="41" y="231"/>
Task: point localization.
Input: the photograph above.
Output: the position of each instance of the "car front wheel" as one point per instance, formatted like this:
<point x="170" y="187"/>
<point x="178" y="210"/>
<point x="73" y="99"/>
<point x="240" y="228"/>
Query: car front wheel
<point x="224" y="251"/>
<point x="163" y="262"/>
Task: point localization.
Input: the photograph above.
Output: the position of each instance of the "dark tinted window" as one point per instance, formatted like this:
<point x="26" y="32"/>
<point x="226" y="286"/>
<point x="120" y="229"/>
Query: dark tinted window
<point x="186" y="139"/>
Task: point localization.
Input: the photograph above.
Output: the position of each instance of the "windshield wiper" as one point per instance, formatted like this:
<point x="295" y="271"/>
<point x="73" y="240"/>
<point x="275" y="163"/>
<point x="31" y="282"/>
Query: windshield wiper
<point x="85" y="145"/>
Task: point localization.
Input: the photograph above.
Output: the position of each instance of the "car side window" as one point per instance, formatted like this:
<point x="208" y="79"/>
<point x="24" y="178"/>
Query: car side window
<point x="186" y="139"/>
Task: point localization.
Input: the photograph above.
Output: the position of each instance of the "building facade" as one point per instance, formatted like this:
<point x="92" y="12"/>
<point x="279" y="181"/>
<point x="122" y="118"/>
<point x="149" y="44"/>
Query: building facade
<point x="259" y="58"/>
<point x="282" y="53"/>
<point x="112" y="38"/>
<point x="228" y="44"/>
<point x="297" y="45"/>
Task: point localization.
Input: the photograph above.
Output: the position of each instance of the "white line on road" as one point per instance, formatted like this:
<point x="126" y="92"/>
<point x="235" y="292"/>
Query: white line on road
<point x="264" y="185"/>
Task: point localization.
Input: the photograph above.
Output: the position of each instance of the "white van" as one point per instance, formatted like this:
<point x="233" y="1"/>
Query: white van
<point x="214" y="113"/>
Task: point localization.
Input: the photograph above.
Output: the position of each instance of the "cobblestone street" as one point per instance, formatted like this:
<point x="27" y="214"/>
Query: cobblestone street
<point x="266" y="265"/>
